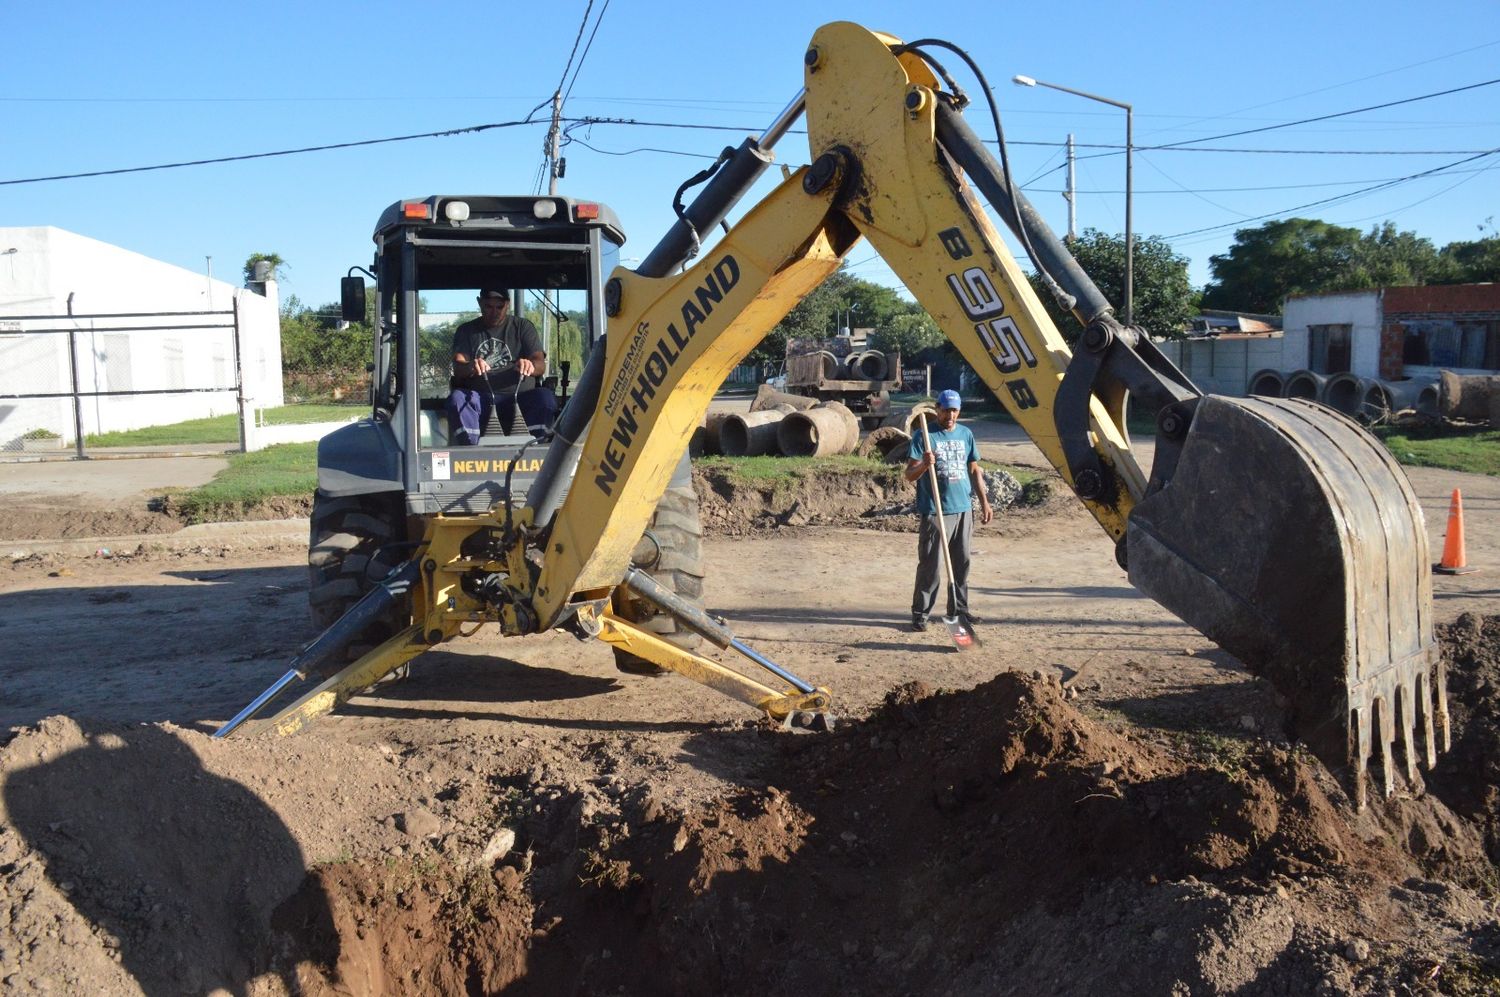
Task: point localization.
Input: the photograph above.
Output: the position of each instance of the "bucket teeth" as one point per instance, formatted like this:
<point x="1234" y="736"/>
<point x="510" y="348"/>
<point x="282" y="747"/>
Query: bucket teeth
<point x="1401" y="695"/>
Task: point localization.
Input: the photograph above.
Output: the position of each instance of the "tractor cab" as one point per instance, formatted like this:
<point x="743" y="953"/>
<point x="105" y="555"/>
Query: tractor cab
<point x="432" y="256"/>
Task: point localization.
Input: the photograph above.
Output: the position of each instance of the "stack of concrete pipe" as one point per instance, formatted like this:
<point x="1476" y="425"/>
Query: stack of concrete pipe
<point x="1367" y="399"/>
<point x="825" y="429"/>
<point x="867" y="366"/>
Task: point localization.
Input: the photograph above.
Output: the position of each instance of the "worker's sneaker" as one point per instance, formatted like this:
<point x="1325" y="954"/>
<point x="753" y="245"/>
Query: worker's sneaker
<point x="918" y="623"/>
<point x="970" y="618"/>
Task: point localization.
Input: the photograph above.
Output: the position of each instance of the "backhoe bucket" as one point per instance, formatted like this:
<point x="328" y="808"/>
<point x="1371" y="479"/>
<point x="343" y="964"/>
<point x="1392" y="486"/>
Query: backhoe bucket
<point x="1289" y="536"/>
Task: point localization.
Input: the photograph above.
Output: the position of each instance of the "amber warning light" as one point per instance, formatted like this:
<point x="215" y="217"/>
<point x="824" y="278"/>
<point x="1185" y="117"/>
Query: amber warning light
<point x="416" y="209"/>
<point x="586" y="211"/>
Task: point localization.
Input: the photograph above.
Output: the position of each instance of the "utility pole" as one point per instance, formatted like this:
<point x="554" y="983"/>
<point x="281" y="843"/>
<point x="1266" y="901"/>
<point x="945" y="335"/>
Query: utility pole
<point x="1071" y="195"/>
<point x="554" y="171"/>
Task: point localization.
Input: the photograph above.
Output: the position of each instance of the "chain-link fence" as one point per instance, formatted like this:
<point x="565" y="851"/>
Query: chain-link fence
<point x="67" y="382"/>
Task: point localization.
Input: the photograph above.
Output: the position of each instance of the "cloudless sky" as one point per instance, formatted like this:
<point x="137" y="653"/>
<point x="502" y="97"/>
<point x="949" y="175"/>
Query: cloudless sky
<point x="103" y="86"/>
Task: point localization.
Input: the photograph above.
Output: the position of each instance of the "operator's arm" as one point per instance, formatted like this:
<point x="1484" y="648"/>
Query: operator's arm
<point x="465" y="364"/>
<point x="532" y="361"/>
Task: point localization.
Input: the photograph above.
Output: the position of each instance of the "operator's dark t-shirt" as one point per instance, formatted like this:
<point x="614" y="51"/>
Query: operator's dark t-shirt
<point x="500" y="347"/>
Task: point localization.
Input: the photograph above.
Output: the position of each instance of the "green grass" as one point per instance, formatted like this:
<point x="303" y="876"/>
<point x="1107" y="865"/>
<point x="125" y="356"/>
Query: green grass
<point x="286" y="471"/>
<point x="219" y="428"/>
<point x="761" y="469"/>
<point x="1472" y="449"/>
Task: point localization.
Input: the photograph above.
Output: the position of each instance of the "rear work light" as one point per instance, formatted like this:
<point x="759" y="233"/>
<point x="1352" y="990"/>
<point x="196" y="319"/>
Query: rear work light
<point x="585" y="210"/>
<point x="417" y="210"/>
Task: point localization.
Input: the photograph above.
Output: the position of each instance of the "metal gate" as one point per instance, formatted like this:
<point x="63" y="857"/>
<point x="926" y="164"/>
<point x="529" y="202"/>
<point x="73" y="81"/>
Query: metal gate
<point x="68" y="377"/>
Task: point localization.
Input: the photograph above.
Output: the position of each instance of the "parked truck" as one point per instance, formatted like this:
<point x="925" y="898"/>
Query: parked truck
<point x="840" y="369"/>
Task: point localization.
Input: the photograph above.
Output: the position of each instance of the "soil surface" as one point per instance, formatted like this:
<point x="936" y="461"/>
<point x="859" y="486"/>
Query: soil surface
<point x="1099" y="800"/>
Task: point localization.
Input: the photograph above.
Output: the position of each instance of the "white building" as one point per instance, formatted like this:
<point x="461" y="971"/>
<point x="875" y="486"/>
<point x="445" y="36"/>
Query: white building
<point x="183" y="366"/>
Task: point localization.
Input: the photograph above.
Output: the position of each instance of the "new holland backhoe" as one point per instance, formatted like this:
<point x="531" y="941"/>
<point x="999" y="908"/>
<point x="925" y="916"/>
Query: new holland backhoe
<point x="1278" y="528"/>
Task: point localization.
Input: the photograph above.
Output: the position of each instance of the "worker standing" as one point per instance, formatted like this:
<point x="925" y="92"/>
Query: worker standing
<point x="955" y="457"/>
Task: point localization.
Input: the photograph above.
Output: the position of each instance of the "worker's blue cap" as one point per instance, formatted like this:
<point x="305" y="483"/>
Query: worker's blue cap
<point x="949" y="399"/>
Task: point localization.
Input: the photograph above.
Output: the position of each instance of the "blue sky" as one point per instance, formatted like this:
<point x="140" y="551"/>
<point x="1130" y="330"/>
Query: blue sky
<point x="93" y="86"/>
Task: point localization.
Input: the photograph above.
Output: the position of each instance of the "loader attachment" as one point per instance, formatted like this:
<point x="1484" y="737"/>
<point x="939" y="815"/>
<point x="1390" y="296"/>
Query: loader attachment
<point x="1290" y="537"/>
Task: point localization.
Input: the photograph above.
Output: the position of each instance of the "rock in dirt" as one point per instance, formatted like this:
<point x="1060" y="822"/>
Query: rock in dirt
<point x="499" y="846"/>
<point x="419" y="822"/>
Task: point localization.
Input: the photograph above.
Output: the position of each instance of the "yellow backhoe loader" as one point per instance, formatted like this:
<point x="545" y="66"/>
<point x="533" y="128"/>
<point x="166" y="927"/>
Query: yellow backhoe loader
<point x="1278" y="528"/>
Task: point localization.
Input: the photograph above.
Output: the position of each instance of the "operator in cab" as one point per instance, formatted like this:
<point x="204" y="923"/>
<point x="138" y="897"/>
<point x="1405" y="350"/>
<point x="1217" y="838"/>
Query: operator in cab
<point x="955" y="457"/>
<point x="498" y="363"/>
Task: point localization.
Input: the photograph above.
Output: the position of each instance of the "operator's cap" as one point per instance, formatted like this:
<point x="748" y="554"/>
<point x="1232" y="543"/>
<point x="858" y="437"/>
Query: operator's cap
<point x="494" y="292"/>
<point x="949" y="399"/>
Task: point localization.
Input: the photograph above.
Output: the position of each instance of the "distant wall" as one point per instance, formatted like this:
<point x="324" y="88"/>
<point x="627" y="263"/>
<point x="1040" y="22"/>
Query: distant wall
<point x="1222" y="365"/>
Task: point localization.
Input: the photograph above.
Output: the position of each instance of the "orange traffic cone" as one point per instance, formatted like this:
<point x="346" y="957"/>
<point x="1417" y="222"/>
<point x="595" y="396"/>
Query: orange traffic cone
<point x="1454" y="560"/>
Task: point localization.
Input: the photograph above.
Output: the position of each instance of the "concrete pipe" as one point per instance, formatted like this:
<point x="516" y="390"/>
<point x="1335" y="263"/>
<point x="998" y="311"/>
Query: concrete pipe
<point x="1428" y="399"/>
<point x="851" y="423"/>
<point x="705" y="439"/>
<point x="869" y="365"/>
<point x="1470" y="397"/>
<point x="817" y="432"/>
<point x="1306" y="384"/>
<point x="1268" y="383"/>
<point x="1376" y="405"/>
<point x="1388" y="399"/>
<point x="1345" y="393"/>
<point x="767" y="397"/>
<point x="750" y="435"/>
<point x="832" y="367"/>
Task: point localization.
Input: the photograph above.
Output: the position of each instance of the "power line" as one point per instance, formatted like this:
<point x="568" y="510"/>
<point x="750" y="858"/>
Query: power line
<point x="597" y="21"/>
<point x="1337" y="197"/>
<point x="1325" y="117"/>
<point x="470" y="129"/>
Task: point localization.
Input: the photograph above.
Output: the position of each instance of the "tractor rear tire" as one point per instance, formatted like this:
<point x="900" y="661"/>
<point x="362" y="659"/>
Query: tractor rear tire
<point x="350" y="549"/>
<point x="671" y="552"/>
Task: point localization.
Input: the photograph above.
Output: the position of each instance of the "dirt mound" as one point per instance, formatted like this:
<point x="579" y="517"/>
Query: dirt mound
<point x="994" y="840"/>
<point x="52" y="524"/>
<point x="997" y="840"/>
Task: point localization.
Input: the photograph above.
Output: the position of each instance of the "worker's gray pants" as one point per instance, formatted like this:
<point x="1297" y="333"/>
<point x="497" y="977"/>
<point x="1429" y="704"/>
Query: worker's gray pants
<point x="930" y="563"/>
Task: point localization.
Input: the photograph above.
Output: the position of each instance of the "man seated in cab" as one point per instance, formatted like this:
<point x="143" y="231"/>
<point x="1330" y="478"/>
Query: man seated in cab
<point x="498" y="363"/>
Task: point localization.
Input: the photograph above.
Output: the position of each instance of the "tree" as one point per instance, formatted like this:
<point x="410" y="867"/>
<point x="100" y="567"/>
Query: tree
<point x="1164" y="300"/>
<point x="1474" y="262"/>
<point x="274" y="259"/>
<point x="1271" y="261"/>
<point x="909" y="333"/>
<point x="1388" y="257"/>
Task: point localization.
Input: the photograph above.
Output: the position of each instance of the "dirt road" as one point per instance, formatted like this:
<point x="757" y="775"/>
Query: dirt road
<point x="664" y="839"/>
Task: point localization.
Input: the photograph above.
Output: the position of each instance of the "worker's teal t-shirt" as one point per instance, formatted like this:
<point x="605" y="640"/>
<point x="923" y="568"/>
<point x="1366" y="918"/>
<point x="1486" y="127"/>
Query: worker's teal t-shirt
<point x="954" y="449"/>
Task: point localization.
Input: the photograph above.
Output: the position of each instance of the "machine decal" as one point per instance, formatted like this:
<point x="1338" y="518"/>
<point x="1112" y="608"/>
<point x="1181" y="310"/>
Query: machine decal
<point x="440" y="467"/>
<point x="636" y="385"/>
<point x="980" y="301"/>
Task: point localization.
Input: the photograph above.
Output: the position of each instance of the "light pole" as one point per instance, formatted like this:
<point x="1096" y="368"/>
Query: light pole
<point x="1027" y="81"/>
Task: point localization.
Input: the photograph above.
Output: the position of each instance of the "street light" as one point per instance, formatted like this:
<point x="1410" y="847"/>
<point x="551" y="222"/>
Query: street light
<point x="1027" y="81"/>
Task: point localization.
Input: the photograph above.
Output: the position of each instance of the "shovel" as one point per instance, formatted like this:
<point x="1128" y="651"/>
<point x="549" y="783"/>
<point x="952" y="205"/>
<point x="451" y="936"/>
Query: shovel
<point x="964" y="637"/>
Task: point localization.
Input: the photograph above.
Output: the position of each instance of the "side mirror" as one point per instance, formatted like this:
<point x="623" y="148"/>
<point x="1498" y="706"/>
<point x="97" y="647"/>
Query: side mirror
<point x="352" y="299"/>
